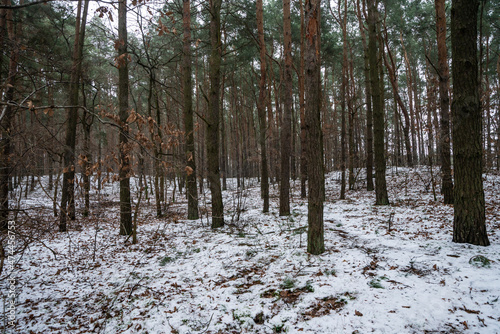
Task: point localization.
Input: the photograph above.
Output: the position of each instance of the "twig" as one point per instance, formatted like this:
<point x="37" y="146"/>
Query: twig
<point x="208" y="324"/>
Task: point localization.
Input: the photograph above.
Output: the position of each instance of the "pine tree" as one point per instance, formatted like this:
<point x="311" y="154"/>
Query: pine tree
<point x="469" y="224"/>
<point x="287" y="112"/>
<point x="315" y="170"/>
<point x="214" y="115"/>
<point x="444" y="103"/>
<point x="123" y="110"/>
<point x="191" y="188"/>
<point x="261" y="110"/>
<point x="378" y="111"/>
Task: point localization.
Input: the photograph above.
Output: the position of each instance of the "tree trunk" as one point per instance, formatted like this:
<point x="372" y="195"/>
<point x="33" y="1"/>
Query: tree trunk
<point x="395" y="89"/>
<point x="261" y="109"/>
<point x="286" y="121"/>
<point x="444" y="103"/>
<point x="378" y="111"/>
<point x="469" y="210"/>
<point x="191" y="188"/>
<point x="155" y="139"/>
<point x="351" y="94"/>
<point x="343" y="89"/>
<point x="126" y="227"/>
<point x="303" y="144"/>
<point x="160" y="171"/>
<point x="368" y="102"/>
<point x="430" y="98"/>
<point x="418" y="122"/>
<point x="86" y="164"/>
<point x="409" y="116"/>
<point x="315" y="234"/>
<point x="6" y="122"/>
<point x="414" y="121"/>
<point x="498" y="118"/>
<point x="487" y="110"/>
<point x="68" y="185"/>
<point x="213" y="115"/>
<point x="223" y="154"/>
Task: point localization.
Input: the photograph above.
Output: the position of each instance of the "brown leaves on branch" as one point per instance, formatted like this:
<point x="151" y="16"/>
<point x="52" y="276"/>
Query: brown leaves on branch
<point x="122" y="60"/>
<point x="104" y="11"/>
<point x="132" y="117"/>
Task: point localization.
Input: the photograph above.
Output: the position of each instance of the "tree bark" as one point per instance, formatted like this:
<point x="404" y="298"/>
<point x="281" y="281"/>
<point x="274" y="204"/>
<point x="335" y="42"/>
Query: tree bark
<point x="156" y="140"/>
<point x="303" y="144"/>
<point x="126" y="227"/>
<point x="315" y="234"/>
<point x="7" y="20"/>
<point x="343" y="89"/>
<point x="469" y="224"/>
<point x="68" y="186"/>
<point x="191" y="188"/>
<point x="368" y="102"/>
<point x="261" y="109"/>
<point x="86" y="160"/>
<point x="287" y="112"/>
<point x="213" y="115"/>
<point x="378" y="111"/>
<point x="444" y="103"/>
<point x="395" y="89"/>
<point x="498" y="118"/>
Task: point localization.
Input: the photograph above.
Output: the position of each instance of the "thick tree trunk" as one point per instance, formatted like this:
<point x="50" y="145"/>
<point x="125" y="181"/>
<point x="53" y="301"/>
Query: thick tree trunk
<point x="444" y="103"/>
<point x="287" y="112"/>
<point x="469" y="210"/>
<point x="68" y="185"/>
<point x="315" y="170"/>
<point x="191" y="188"/>
<point x="213" y="115"/>
<point x="261" y="109"/>
<point x="126" y="227"/>
<point x="378" y="111"/>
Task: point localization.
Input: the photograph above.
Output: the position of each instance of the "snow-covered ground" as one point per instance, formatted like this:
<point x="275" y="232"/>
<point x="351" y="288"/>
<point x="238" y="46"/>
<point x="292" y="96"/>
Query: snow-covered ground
<point x="390" y="269"/>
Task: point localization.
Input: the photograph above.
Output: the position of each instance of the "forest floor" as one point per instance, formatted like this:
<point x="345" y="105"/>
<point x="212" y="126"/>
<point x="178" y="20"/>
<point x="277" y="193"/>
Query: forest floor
<point x="386" y="269"/>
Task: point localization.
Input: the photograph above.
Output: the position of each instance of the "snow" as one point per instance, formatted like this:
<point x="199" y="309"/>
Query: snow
<point x="254" y="275"/>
